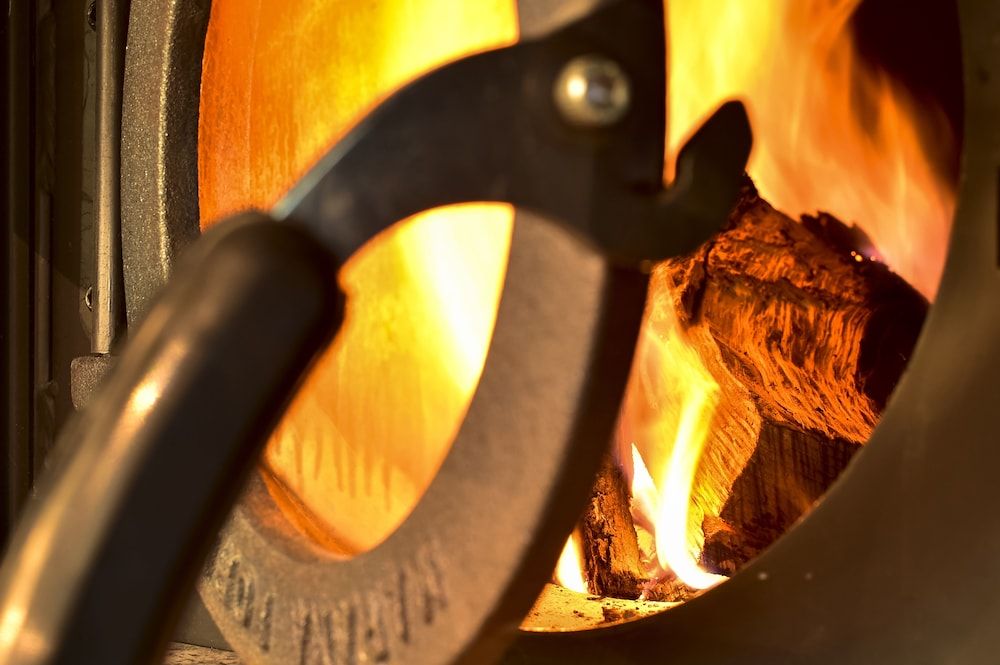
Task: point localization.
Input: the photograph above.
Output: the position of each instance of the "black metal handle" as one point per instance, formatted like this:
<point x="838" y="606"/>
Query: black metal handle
<point x="124" y="518"/>
<point x="98" y="563"/>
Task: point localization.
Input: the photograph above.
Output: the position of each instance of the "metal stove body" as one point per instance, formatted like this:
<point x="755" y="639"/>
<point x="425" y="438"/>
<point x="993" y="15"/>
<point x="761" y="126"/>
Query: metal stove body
<point x="895" y="565"/>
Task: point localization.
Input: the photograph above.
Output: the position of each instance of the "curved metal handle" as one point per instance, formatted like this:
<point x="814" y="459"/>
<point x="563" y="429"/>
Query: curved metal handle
<point x="157" y="459"/>
<point x="497" y="135"/>
<point x="149" y="470"/>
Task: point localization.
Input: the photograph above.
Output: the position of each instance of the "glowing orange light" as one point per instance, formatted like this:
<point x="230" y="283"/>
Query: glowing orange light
<point x="281" y="82"/>
<point x="374" y="420"/>
<point x="831" y="132"/>
<point x="795" y="65"/>
<point x="569" y="569"/>
<point x="670" y="375"/>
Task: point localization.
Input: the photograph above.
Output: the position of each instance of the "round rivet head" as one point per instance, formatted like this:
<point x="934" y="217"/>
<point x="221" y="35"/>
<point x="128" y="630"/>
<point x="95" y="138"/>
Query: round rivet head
<point x="592" y="91"/>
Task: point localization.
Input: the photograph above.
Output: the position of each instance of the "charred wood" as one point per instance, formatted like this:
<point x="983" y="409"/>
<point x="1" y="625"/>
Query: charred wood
<point x="805" y="336"/>
<point x="609" y="545"/>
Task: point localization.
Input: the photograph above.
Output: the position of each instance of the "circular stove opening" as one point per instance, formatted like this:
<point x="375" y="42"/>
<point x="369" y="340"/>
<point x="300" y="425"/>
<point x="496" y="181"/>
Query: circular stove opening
<point x="766" y="357"/>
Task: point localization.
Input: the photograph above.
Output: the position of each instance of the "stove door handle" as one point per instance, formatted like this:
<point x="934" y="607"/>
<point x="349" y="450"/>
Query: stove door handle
<point x="145" y="475"/>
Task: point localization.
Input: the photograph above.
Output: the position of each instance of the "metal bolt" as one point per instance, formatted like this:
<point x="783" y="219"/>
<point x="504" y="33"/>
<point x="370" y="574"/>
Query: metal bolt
<point x="592" y="91"/>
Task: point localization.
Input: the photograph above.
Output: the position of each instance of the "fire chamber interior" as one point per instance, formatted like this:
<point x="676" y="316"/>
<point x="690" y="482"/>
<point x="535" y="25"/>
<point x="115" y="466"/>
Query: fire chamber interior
<point x="766" y="356"/>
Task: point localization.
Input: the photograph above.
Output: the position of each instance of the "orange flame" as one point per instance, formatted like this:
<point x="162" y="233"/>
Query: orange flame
<point x="366" y="435"/>
<point x="831" y="132"/>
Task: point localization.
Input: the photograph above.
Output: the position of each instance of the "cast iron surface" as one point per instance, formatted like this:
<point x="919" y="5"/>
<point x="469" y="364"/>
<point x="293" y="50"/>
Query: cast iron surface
<point x="150" y="466"/>
<point x="159" y="145"/>
<point x="897" y="564"/>
<point x="451" y="584"/>
<point x="16" y="261"/>
<point x="606" y="185"/>
<point x="107" y="298"/>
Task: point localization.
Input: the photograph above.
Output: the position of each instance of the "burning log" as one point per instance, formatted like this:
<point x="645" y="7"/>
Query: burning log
<point x="805" y="337"/>
<point x="613" y="565"/>
<point x="610" y="548"/>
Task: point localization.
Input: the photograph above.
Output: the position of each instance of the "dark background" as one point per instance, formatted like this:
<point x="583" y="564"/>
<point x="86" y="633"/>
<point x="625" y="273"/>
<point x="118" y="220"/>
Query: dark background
<point x="918" y="42"/>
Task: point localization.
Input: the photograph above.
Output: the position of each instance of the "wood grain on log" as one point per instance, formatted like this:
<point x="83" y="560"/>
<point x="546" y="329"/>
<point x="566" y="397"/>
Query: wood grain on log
<point x="805" y="338"/>
<point x="189" y="654"/>
<point x="609" y="545"/>
<point x="817" y="335"/>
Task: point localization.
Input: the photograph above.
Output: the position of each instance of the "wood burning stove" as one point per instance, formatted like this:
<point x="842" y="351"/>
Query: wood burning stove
<point x="877" y="571"/>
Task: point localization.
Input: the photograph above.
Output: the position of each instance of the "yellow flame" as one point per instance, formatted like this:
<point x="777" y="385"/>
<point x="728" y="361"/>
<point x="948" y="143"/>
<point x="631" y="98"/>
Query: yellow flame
<point x="668" y="514"/>
<point x="645" y="496"/>
<point x="673" y="549"/>
<point x="366" y="435"/>
<point x="459" y="257"/>
<point x="831" y="132"/>
<point x="569" y="569"/>
<point x="670" y="406"/>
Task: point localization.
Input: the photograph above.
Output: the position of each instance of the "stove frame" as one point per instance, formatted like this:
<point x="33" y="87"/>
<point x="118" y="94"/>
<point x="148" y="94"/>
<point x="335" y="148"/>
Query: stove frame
<point x="873" y="573"/>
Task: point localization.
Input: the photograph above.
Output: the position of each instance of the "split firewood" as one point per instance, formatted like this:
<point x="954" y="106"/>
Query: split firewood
<point x="612" y="560"/>
<point x="609" y="545"/>
<point x="805" y="337"/>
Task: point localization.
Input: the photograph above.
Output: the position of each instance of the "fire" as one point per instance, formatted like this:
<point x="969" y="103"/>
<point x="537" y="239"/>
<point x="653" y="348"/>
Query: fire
<point x="375" y="419"/>
<point x="569" y="569"/>
<point x="669" y="518"/>
<point x="668" y="412"/>
<point x="365" y="436"/>
<point x="831" y="132"/>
